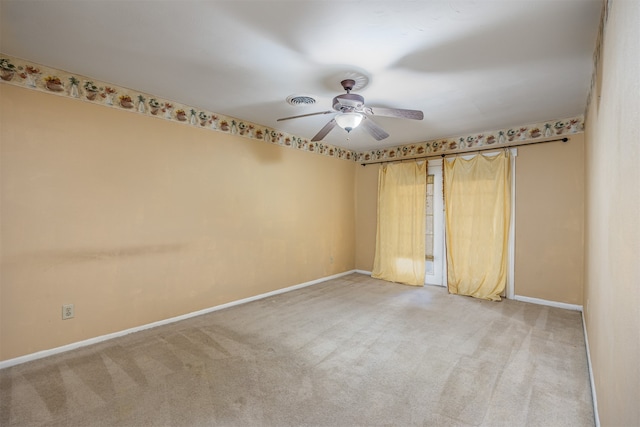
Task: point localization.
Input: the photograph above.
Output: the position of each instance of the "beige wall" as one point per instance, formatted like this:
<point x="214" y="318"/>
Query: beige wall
<point x="612" y="267"/>
<point x="135" y="219"/>
<point x="366" y="215"/>
<point x="549" y="227"/>
<point x="549" y="220"/>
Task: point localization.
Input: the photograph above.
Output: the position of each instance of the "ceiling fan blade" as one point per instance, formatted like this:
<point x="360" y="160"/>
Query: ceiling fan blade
<point x="305" y="115"/>
<point x="324" y="131"/>
<point x="395" y="112"/>
<point x="374" y="130"/>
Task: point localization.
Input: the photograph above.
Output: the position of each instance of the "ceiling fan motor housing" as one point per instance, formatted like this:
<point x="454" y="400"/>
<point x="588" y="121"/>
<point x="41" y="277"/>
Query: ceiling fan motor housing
<point x="348" y="102"/>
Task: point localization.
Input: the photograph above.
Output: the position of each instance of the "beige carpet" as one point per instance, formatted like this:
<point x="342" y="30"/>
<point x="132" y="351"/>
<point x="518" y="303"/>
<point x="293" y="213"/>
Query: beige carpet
<point x="354" y="351"/>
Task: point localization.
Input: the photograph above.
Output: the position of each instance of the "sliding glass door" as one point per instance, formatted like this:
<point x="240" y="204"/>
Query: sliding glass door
<point x="434" y="229"/>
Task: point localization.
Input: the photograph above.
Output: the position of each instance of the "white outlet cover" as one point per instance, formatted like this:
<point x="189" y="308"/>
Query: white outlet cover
<point x="67" y="311"/>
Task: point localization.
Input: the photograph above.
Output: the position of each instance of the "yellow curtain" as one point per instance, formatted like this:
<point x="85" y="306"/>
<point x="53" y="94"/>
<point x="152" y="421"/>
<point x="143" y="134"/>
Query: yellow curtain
<point x="400" y="241"/>
<point x="477" y="210"/>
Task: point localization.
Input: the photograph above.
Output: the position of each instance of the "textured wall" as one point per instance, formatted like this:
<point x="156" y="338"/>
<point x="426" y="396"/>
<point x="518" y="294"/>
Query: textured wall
<point x="612" y="267"/>
<point x="135" y="219"/>
<point x="366" y="215"/>
<point x="549" y="241"/>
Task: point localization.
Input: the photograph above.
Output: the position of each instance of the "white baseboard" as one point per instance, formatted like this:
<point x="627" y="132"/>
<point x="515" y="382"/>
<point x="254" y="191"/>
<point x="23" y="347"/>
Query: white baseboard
<point x="50" y="352"/>
<point x="368" y="273"/>
<point x="556" y="304"/>
<point x="596" y="416"/>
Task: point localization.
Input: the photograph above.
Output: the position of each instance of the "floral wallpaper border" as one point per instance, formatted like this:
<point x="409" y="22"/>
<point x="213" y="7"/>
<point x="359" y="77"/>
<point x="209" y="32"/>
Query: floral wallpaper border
<point x="511" y="136"/>
<point x="27" y="74"/>
<point x="33" y="76"/>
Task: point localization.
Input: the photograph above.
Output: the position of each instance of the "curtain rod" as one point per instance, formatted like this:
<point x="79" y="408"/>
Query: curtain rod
<point x="485" y="148"/>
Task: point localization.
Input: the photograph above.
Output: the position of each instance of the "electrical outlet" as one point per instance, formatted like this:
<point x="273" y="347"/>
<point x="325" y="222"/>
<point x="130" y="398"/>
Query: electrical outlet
<point x="67" y="311"/>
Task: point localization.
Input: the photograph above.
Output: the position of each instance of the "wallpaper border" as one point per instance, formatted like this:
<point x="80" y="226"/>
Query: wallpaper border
<point x="34" y="76"/>
<point x="38" y="77"/>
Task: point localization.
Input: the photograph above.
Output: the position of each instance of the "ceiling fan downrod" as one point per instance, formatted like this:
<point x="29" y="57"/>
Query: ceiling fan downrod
<point x="348" y="84"/>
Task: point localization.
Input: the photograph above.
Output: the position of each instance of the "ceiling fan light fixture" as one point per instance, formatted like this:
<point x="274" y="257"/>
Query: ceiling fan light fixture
<point x="351" y="111"/>
<point x="349" y="121"/>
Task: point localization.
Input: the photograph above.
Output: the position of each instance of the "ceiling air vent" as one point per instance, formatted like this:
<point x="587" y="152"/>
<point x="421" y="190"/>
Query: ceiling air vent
<point x="301" y="100"/>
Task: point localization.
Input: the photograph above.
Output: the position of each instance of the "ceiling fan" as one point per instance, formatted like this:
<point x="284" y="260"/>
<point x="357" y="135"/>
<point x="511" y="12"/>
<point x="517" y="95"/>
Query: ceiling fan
<point x="352" y="112"/>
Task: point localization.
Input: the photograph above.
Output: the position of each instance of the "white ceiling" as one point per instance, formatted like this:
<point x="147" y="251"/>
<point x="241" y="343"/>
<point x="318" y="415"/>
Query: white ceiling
<point x="469" y="65"/>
